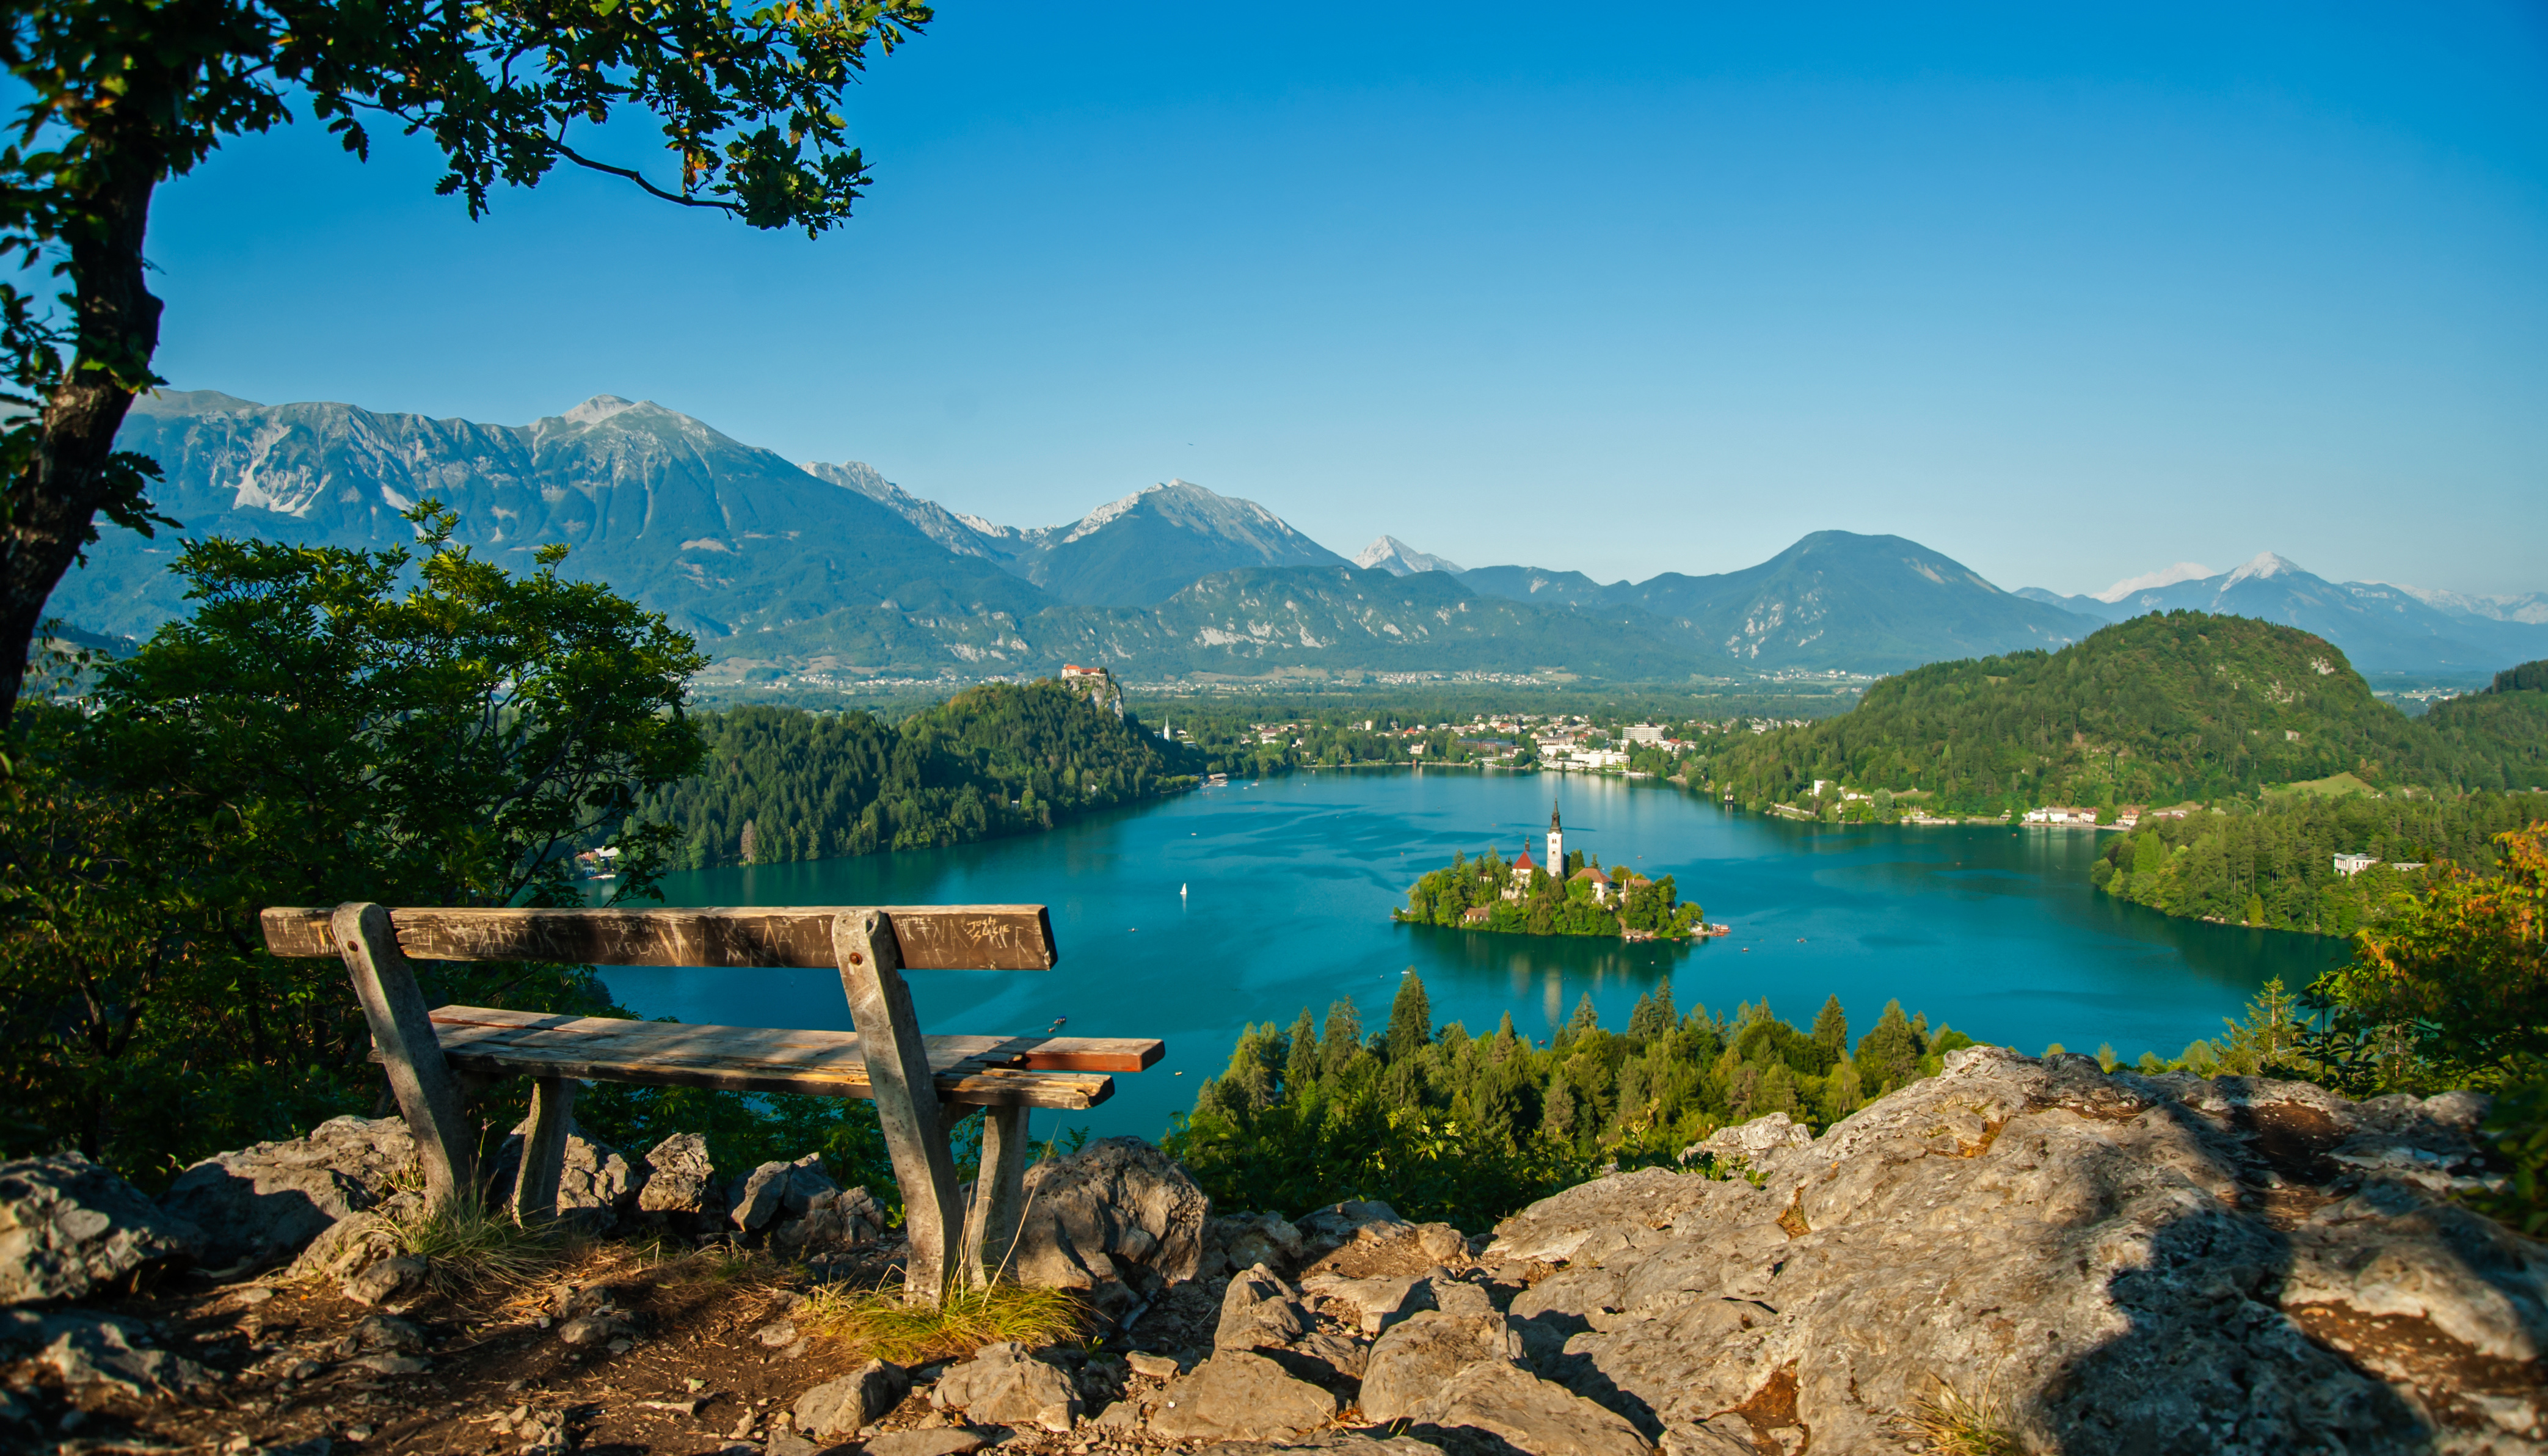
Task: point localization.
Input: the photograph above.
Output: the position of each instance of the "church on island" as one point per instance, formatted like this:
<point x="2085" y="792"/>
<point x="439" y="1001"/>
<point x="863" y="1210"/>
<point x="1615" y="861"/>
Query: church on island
<point x="1603" y="888"/>
<point x="1564" y="894"/>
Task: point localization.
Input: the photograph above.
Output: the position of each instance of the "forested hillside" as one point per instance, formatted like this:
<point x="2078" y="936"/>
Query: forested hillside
<point x="2507" y="723"/>
<point x="2275" y="867"/>
<point x="783" y="784"/>
<point x="2155" y="711"/>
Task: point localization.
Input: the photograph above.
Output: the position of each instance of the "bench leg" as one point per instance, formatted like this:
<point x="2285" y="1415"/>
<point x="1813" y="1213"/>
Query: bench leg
<point x="535" y="1185"/>
<point x="999" y="1194"/>
<point x="906" y="1098"/>
<point x="428" y="1096"/>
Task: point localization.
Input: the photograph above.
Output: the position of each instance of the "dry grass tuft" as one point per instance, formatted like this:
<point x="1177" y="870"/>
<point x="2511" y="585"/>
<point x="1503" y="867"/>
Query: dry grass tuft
<point x="1950" y="1422"/>
<point x="469" y="1246"/>
<point x="877" y="1323"/>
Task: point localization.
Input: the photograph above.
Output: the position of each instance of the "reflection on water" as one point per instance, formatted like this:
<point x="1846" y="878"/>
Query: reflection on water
<point x="1289" y="884"/>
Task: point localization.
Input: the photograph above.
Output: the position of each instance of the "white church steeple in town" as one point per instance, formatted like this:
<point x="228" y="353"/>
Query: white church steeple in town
<point x="1556" y="843"/>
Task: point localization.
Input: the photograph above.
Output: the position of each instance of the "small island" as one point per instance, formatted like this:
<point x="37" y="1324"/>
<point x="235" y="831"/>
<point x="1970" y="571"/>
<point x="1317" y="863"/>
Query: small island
<point x="1570" y="895"/>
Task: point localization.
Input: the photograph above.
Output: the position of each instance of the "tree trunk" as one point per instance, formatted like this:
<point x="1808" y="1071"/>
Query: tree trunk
<point x="52" y="502"/>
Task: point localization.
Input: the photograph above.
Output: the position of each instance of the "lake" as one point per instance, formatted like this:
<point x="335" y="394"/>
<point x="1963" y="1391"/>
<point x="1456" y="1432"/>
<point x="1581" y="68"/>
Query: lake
<point x="1287" y="885"/>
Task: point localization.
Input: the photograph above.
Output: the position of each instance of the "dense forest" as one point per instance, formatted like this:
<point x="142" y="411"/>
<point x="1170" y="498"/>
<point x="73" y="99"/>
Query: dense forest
<point x="2275" y="866"/>
<point x="783" y="783"/>
<point x="1443" y="1123"/>
<point x="2157" y="710"/>
<point x="2507" y="723"/>
<point x="1550" y="904"/>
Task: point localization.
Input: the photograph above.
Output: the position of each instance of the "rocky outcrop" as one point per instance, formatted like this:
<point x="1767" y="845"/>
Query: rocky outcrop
<point x="1003" y="1384"/>
<point x="1117" y="1218"/>
<point x="682" y="1191"/>
<point x="69" y="1227"/>
<point x="836" y="1408"/>
<point x="2105" y="1263"/>
<point x="597" y="1186"/>
<point x="1257" y="1310"/>
<point x="1238" y="1394"/>
<point x="264" y="1203"/>
<point x="1235" y="1241"/>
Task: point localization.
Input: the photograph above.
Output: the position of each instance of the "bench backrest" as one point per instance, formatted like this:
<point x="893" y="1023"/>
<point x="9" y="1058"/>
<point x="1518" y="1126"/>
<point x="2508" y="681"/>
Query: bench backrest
<point x="932" y="937"/>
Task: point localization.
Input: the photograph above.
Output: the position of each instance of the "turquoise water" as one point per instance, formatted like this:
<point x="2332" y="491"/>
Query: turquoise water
<point x="1289" y="883"/>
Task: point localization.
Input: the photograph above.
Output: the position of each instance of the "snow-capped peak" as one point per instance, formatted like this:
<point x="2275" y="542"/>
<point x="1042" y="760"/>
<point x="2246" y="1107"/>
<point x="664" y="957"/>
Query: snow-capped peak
<point x="2265" y="564"/>
<point x="599" y="408"/>
<point x="2183" y="570"/>
<point x="1399" y="559"/>
<point x="1111" y="509"/>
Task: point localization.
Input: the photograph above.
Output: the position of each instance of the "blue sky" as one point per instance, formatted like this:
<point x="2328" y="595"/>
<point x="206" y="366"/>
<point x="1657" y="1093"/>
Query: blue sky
<point x="2068" y="293"/>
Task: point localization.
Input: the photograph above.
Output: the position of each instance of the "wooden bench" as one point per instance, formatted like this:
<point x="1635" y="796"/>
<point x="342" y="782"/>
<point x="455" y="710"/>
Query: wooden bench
<point x="426" y="1052"/>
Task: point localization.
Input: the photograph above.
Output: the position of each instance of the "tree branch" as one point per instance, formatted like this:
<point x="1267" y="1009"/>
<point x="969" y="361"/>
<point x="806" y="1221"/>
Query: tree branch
<point x="633" y="175"/>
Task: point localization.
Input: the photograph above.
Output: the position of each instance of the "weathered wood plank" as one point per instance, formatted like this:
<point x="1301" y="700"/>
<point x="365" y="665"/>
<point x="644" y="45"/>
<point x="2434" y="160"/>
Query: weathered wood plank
<point x="897" y="1063"/>
<point x="934" y="937"/>
<point x="547" y="1053"/>
<point x="427" y="1094"/>
<point x="1033" y="1054"/>
<point x="999" y="1195"/>
<point x="544" y="1166"/>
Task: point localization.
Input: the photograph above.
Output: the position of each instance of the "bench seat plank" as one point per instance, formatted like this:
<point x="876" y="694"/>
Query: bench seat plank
<point x="932" y="937"/>
<point x="1030" y="1054"/>
<point x="742" y="1058"/>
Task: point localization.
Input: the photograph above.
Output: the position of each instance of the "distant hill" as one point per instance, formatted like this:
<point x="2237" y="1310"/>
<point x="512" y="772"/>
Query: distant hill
<point x="2382" y="628"/>
<point x="2506" y="724"/>
<point x="1263" y="620"/>
<point x="1835" y="600"/>
<point x="2157" y="709"/>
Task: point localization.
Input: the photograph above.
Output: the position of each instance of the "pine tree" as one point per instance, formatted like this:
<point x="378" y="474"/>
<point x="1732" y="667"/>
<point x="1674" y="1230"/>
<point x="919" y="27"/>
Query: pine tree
<point x="1341" y="1039"/>
<point x="1583" y="1020"/>
<point x="1507" y="1043"/>
<point x="1410" y="1018"/>
<point x="1301" y="1068"/>
<point x="1558" y="1120"/>
<point x="1831" y="1028"/>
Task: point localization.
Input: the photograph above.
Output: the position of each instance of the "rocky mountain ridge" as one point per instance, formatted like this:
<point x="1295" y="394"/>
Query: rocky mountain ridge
<point x="833" y="568"/>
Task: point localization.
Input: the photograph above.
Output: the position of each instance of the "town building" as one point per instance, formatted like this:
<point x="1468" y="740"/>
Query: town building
<point x="1555" y="842"/>
<point x="2350" y="865"/>
<point x="2060" y="814"/>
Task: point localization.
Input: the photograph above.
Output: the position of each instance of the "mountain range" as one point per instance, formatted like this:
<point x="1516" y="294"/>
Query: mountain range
<point x="831" y="568"/>
<point x="2383" y="628"/>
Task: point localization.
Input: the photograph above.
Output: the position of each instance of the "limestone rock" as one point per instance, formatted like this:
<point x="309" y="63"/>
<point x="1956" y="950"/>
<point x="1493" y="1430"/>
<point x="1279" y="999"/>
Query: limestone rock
<point x="2134" y="1264"/>
<point x="1373" y="1305"/>
<point x="263" y="1203"/>
<point x="1528" y="1412"/>
<point x="385" y="1279"/>
<point x="344" y="1248"/>
<point x="1259" y="1309"/>
<point x="836" y="1408"/>
<point x="1752" y="1140"/>
<point x="107" y="1351"/>
<point x="1156" y="1367"/>
<point x="945" y="1440"/>
<point x="1334" y="1443"/>
<point x="1118" y="1218"/>
<point x="1235" y="1241"/>
<point x="831" y="1222"/>
<point x="69" y="1227"/>
<point x="682" y="1189"/>
<point x="598" y="1187"/>
<point x="1419" y="1355"/>
<point x="1338" y="1224"/>
<point x="1003" y="1384"/>
<point x="1238" y="1396"/>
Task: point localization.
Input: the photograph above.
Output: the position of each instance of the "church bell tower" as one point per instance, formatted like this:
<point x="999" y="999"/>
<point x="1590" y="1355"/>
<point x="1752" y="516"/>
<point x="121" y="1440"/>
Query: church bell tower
<point x="1556" y="844"/>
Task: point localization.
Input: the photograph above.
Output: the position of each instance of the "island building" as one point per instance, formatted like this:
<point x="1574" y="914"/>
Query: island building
<point x="1555" y="842"/>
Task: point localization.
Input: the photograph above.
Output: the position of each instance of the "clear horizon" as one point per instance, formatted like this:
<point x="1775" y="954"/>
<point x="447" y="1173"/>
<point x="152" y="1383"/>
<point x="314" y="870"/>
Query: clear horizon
<point x="2067" y="298"/>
